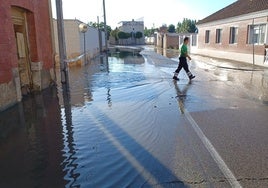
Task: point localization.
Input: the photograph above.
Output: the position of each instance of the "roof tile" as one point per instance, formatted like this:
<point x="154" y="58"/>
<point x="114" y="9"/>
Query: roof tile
<point x="238" y="8"/>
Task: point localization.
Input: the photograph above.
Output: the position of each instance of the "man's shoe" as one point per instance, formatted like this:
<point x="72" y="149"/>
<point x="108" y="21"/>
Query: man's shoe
<point x="191" y="77"/>
<point x="176" y="78"/>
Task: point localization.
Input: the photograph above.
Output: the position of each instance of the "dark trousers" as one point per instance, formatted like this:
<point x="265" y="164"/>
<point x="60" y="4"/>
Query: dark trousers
<point x="183" y="64"/>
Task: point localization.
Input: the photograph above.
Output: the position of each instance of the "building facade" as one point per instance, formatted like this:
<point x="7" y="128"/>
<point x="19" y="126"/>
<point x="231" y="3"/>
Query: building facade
<point x="238" y="32"/>
<point x="175" y="40"/>
<point x="133" y="27"/>
<point x="74" y="40"/>
<point x="26" y="49"/>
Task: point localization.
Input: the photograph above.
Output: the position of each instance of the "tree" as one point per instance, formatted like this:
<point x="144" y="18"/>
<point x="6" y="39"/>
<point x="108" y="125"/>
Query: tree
<point x="101" y="26"/>
<point x="138" y="35"/>
<point x="114" y="33"/>
<point x="123" y="35"/>
<point x="149" y="32"/>
<point x="186" y="26"/>
<point x="171" y="28"/>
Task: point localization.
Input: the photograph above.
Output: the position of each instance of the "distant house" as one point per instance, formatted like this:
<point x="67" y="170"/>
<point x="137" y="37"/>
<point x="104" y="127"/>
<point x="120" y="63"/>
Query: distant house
<point x="133" y="27"/>
<point x="26" y="49"/>
<point x="74" y="39"/>
<point x="168" y="40"/>
<point x="237" y="32"/>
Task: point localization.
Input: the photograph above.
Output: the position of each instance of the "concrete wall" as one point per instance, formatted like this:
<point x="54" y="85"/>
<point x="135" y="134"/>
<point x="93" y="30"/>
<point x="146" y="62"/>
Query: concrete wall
<point x="92" y="41"/>
<point x="37" y="21"/>
<point x="75" y="39"/>
<point x="242" y="50"/>
<point x="72" y="38"/>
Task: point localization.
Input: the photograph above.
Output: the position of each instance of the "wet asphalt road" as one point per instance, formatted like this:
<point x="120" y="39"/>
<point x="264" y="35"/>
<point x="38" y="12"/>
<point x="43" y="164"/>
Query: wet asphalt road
<point x="128" y="124"/>
<point x="228" y="102"/>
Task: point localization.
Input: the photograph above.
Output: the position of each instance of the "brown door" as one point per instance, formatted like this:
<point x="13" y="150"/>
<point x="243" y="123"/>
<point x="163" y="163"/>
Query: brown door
<point x="19" y="21"/>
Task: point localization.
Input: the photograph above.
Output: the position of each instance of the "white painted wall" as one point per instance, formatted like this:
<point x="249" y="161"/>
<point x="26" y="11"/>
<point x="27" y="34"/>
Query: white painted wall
<point x="234" y="56"/>
<point x="75" y="39"/>
<point x="92" y="41"/>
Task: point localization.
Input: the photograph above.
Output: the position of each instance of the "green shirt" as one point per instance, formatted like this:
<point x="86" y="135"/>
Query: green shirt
<point x="184" y="50"/>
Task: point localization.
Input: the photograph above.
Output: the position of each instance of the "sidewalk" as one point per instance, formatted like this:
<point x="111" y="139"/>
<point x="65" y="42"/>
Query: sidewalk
<point x="225" y="64"/>
<point x="219" y="63"/>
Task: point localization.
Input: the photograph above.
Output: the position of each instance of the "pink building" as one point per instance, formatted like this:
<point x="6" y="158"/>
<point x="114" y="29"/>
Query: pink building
<point x="26" y="49"/>
<point x="237" y="32"/>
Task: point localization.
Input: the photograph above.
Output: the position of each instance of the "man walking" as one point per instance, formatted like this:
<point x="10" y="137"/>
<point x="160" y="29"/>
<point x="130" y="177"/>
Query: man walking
<point x="183" y="61"/>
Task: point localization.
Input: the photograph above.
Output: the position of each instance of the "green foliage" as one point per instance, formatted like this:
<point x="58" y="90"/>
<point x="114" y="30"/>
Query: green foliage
<point x="138" y="35"/>
<point x="114" y="33"/>
<point x="101" y="26"/>
<point x="123" y="35"/>
<point x="149" y="32"/>
<point x="186" y="26"/>
<point x="171" y="28"/>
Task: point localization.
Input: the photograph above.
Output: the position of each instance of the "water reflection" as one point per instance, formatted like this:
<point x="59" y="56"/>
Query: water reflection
<point x="169" y="53"/>
<point x="181" y="92"/>
<point x="31" y="143"/>
<point x="127" y="57"/>
<point x="89" y="134"/>
<point x="69" y="163"/>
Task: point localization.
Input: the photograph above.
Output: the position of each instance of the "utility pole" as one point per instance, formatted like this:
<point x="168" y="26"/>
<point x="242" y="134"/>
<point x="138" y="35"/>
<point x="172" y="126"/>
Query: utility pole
<point x="100" y="35"/>
<point x="61" y="39"/>
<point x="105" y="27"/>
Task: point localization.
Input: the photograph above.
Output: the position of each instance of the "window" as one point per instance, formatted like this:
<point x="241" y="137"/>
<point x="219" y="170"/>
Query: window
<point x="181" y="40"/>
<point x="194" y="40"/>
<point x="256" y="34"/>
<point x="207" y="36"/>
<point x="218" y="36"/>
<point x="233" y="35"/>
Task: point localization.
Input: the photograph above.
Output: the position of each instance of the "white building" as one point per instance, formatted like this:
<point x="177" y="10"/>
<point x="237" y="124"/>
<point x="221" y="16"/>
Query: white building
<point x="133" y="27"/>
<point x="75" y="39"/>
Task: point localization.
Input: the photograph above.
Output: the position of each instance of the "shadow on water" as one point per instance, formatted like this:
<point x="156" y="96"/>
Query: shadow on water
<point x="148" y="170"/>
<point x="61" y="138"/>
<point x="31" y="143"/>
<point x="117" y="159"/>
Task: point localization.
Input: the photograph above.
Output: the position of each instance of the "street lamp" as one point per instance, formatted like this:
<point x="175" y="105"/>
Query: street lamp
<point x="83" y="29"/>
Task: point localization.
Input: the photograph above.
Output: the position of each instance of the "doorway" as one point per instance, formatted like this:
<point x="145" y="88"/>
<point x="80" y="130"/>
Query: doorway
<point x="21" y="35"/>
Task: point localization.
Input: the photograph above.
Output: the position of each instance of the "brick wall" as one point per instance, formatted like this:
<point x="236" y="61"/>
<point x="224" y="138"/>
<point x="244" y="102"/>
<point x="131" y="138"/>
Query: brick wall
<point x="40" y="40"/>
<point x="39" y="35"/>
<point x="7" y="44"/>
<point x="171" y="41"/>
<point x="242" y="45"/>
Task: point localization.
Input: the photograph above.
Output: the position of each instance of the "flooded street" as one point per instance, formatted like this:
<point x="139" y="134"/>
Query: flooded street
<point x="126" y="123"/>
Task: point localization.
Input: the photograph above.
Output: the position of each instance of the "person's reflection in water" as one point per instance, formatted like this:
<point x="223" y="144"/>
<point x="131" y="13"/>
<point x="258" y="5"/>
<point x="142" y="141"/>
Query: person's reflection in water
<point x="181" y="94"/>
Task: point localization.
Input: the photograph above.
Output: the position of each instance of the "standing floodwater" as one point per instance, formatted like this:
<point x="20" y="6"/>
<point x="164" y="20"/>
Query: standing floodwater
<point x="97" y="137"/>
<point x="126" y="123"/>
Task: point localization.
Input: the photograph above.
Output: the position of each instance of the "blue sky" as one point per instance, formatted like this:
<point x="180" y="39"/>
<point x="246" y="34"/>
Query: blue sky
<point x="155" y="13"/>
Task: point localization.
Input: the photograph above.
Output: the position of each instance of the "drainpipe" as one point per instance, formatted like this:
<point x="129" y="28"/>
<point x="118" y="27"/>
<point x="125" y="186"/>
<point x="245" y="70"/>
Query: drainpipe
<point x="54" y="79"/>
<point x="253" y="50"/>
